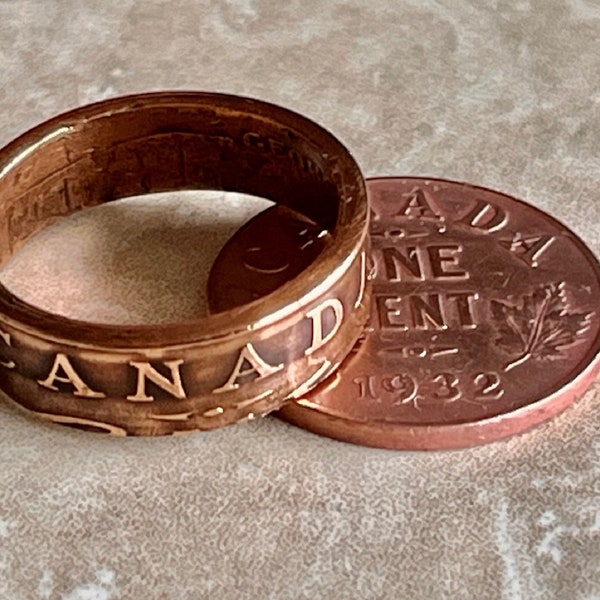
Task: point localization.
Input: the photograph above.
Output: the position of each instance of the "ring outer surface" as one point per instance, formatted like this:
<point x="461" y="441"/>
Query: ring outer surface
<point x="194" y="374"/>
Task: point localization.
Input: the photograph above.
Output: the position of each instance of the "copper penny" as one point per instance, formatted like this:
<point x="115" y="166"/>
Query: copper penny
<point x="485" y="320"/>
<point x="285" y="244"/>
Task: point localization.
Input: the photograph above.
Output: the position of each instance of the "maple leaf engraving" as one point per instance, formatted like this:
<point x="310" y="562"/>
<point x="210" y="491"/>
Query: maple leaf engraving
<point x="539" y="326"/>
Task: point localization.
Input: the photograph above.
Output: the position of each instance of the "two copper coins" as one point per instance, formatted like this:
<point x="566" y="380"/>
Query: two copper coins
<point x="401" y="313"/>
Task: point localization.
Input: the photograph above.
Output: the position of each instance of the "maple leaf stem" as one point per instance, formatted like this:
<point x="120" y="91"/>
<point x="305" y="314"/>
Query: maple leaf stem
<point x="513" y="325"/>
<point x="533" y="338"/>
<point x="543" y="323"/>
<point x="518" y="361"/>
<point x="537" y="327"/>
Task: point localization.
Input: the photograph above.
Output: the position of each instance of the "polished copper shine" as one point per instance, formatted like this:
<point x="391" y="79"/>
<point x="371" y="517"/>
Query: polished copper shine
<point x="197" y="374"/>
<point x="485" y="320"/>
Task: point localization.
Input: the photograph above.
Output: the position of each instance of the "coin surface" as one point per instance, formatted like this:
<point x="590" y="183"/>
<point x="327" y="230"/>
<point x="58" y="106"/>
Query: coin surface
<point x="484" y="322"/>
<point x="272" y="248"/>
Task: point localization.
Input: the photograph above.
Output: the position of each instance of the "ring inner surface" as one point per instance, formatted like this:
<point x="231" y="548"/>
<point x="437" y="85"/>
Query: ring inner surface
<point x="65" y="166"/>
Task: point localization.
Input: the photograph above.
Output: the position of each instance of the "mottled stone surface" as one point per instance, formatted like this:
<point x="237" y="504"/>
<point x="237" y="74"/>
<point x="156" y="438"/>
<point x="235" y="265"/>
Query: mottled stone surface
<point x="503" y="94"/>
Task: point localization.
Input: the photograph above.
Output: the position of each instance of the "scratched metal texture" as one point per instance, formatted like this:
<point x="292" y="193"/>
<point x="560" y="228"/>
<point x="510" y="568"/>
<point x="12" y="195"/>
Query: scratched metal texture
<point x="502" y="94"/>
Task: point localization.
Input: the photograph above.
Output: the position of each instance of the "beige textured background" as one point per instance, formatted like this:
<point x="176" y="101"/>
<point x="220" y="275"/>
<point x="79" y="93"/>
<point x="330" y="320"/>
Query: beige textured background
<point x="499" y="93"/>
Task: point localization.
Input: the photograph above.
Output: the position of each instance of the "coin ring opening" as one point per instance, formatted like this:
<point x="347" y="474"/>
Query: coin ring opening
<point x="194" y="374"/>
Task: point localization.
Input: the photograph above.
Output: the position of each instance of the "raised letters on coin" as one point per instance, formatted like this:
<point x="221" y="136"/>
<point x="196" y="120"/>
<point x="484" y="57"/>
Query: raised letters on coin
<point x="199" y="374"/>
<point x="485" y="320"/>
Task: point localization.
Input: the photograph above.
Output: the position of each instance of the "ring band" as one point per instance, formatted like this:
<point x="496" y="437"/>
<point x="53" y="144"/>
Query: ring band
<point x="196" y="374"/>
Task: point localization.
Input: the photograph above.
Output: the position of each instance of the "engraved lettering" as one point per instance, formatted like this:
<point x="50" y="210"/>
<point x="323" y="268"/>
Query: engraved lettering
<point x="463" y="302"/>
<point x="402" y="387"/>
<point x="255" y="140"/>
<point x="437" y="261"/>
<point x="489" y="386"/>
<point x="146" y="371"/>
<point x="437" y="351"/>
<point x="426" y="311"/>
<point x="444" y="261"/>
<point x="248" y="363"/>
<point x="528" y="249"/>
<point x="319" y="338"/>
<point x="62" y="363"/>
<point x="406" y="351"/>
<point x="430" y="352"/>
<point x="415" y="204"/>
<point x="485" y="216"/>
<point x="366" y="387"/>
<point x="303" y="163"/>
<point x="443" y="387"/>
<point x="220" y="140"/>
<point x="447" y="389"/>
<point x="398" y="261"/>
<point x="389" y="312"/>
<point x="272" y="146"/>
<point x="8" y="364"/>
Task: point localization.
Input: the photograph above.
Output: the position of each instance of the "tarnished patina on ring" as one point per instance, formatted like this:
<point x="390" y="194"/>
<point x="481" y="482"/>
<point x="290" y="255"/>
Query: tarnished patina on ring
<point x="198" y="374"/>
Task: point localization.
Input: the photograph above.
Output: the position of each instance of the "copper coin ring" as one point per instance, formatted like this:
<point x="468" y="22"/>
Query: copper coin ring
<point x="197" y="374"/>
<point x="484" y="320"/>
